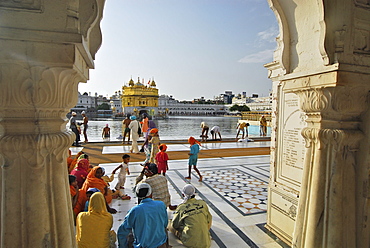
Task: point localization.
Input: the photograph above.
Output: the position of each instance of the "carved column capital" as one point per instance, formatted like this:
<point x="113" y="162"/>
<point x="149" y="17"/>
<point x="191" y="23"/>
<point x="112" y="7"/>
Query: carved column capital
<point x="343" y="100"/>
<point x="34" y="101"/>
<point x="336" y="138"/>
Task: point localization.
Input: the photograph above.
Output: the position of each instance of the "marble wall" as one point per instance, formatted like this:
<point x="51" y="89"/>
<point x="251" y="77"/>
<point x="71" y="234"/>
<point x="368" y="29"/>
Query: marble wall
<point x="318" y="189"/>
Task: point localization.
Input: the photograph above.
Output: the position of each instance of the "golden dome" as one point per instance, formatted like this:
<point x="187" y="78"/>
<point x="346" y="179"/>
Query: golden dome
<point x="138" y="82"/>
<point x="131" y="82"/>
<point x="152" y="84"/>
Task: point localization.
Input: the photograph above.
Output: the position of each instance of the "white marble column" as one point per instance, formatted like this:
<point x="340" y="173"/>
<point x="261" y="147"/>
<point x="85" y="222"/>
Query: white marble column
<point x="46" y="49"/>
<point x="327" y="205"/>
<point x="35" y="199"/>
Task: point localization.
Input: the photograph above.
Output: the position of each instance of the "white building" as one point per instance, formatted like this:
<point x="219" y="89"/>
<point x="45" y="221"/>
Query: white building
<point x="85" y="100"/>
<point x="115" y="103"/>
<point x="254" y="103"/>
<point x="174" y="107"/>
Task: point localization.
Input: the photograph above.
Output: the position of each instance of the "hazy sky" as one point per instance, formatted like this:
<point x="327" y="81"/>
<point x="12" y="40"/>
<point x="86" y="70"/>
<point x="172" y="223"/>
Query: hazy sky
<point x="192" y="48"/>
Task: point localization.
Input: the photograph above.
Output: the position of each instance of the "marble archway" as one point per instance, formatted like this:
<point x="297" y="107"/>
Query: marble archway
<point x="320" y="69"/>
<point x="319" y="183"/>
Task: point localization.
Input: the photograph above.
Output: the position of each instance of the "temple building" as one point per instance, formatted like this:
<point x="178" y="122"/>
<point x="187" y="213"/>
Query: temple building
<point x="138" y="98"/>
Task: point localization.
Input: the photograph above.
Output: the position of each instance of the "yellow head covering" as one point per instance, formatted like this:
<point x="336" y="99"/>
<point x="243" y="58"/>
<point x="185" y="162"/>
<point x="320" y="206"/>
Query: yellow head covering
<point x="97" y="204"/>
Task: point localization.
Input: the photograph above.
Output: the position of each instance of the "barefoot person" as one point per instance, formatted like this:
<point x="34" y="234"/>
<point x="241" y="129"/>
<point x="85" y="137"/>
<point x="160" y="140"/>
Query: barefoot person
<point x="134" y="127"/>
<point x="214" y="131"/>
<point x="123" y="171"/>
<point x="85" y="120"/>
<point x="106" y="132"/>
<point x="145" y="224"/>
<point x="159" y="185"/>
<point x="126" y="130"/>
<point x="193" y="157"/>
<point x="73" y="127"/>
<point x="205" y="129"/>
<point x="192" y="220"/>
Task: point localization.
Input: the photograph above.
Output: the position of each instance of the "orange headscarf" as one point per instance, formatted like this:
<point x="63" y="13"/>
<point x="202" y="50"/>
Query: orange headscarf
<point x="153" y="130"/>
<point x="192" y="141"/>
<point x="162" y="148"/>
<point x="93" y="182"/>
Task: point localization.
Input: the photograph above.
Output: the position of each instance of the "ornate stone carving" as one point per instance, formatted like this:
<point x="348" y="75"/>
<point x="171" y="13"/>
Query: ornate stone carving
<point x="34" y="101"/>
<point x="25" y="5"/>
<point x="346" y="101"/>
<point x="37" y="86"/>
<point x="41" y="63"/>
<point x="281" y="55"/>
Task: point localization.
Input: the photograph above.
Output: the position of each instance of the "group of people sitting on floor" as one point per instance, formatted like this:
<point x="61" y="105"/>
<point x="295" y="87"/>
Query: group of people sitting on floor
<point x="146" y="224"/>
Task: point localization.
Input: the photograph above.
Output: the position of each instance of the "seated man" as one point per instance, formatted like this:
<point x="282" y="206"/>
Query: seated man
<point x="159" y="185"/>
<point x="145" y="224"/>
<point x="192" y="220"/>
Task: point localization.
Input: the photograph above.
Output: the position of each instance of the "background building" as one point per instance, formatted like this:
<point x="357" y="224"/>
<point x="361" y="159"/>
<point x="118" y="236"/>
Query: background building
<point x="167" y="104"/>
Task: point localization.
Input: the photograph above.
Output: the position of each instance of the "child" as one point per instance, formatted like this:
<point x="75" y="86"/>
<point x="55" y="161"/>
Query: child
<point x="162" y="159"/>
<point x="193" y="157"/>
<point x="123" y="171"/>
<point x="89" y="193"/>
<point x="73" y="188"/>
<point x="115" y="194"/>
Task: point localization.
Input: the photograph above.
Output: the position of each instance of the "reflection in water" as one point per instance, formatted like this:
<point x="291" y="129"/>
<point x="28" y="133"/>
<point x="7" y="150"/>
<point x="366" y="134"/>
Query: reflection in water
<point x="174" y="128"/>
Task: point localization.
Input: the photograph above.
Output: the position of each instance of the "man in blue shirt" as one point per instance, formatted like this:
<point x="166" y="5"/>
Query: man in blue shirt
<point x="147" y="221"/>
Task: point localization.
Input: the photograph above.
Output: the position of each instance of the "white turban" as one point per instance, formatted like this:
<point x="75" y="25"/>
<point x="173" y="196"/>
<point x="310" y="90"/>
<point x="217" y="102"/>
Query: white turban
<point x="188" y="192"/>
<point x="143" y="186"/>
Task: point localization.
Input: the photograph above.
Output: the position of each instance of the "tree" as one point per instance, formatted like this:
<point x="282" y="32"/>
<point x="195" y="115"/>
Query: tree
<point x="241" y="108"/>
<point x="104" y="106"/>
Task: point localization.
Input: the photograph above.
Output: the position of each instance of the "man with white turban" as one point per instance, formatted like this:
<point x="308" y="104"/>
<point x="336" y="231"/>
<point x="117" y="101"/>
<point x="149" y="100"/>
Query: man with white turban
<point x="192" y="220"/>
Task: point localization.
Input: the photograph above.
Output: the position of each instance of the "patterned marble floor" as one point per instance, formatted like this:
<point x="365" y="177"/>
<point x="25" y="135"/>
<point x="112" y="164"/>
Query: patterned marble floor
<point x="235" y="189"/>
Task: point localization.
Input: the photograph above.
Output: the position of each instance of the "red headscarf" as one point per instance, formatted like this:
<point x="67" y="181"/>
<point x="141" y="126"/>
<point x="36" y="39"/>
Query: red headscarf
<point x="192" y="141"/>
<point x="83" y="164"/>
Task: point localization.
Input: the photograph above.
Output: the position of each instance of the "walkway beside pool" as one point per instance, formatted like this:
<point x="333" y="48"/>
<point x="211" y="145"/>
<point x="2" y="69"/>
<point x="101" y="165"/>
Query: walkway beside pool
<point x="234" y="187"/>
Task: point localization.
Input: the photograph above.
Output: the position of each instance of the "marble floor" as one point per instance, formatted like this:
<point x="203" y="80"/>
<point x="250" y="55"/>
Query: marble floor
<point x="235" y="189"/>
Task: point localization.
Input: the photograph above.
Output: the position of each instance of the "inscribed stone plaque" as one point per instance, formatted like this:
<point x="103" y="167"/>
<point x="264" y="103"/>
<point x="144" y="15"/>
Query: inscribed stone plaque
<point x="291" y="146"/>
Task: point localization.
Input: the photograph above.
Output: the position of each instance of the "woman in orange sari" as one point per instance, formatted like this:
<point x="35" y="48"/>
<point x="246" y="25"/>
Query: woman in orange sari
<point x="94" y="180"/>
<point x="78" y="196"/>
